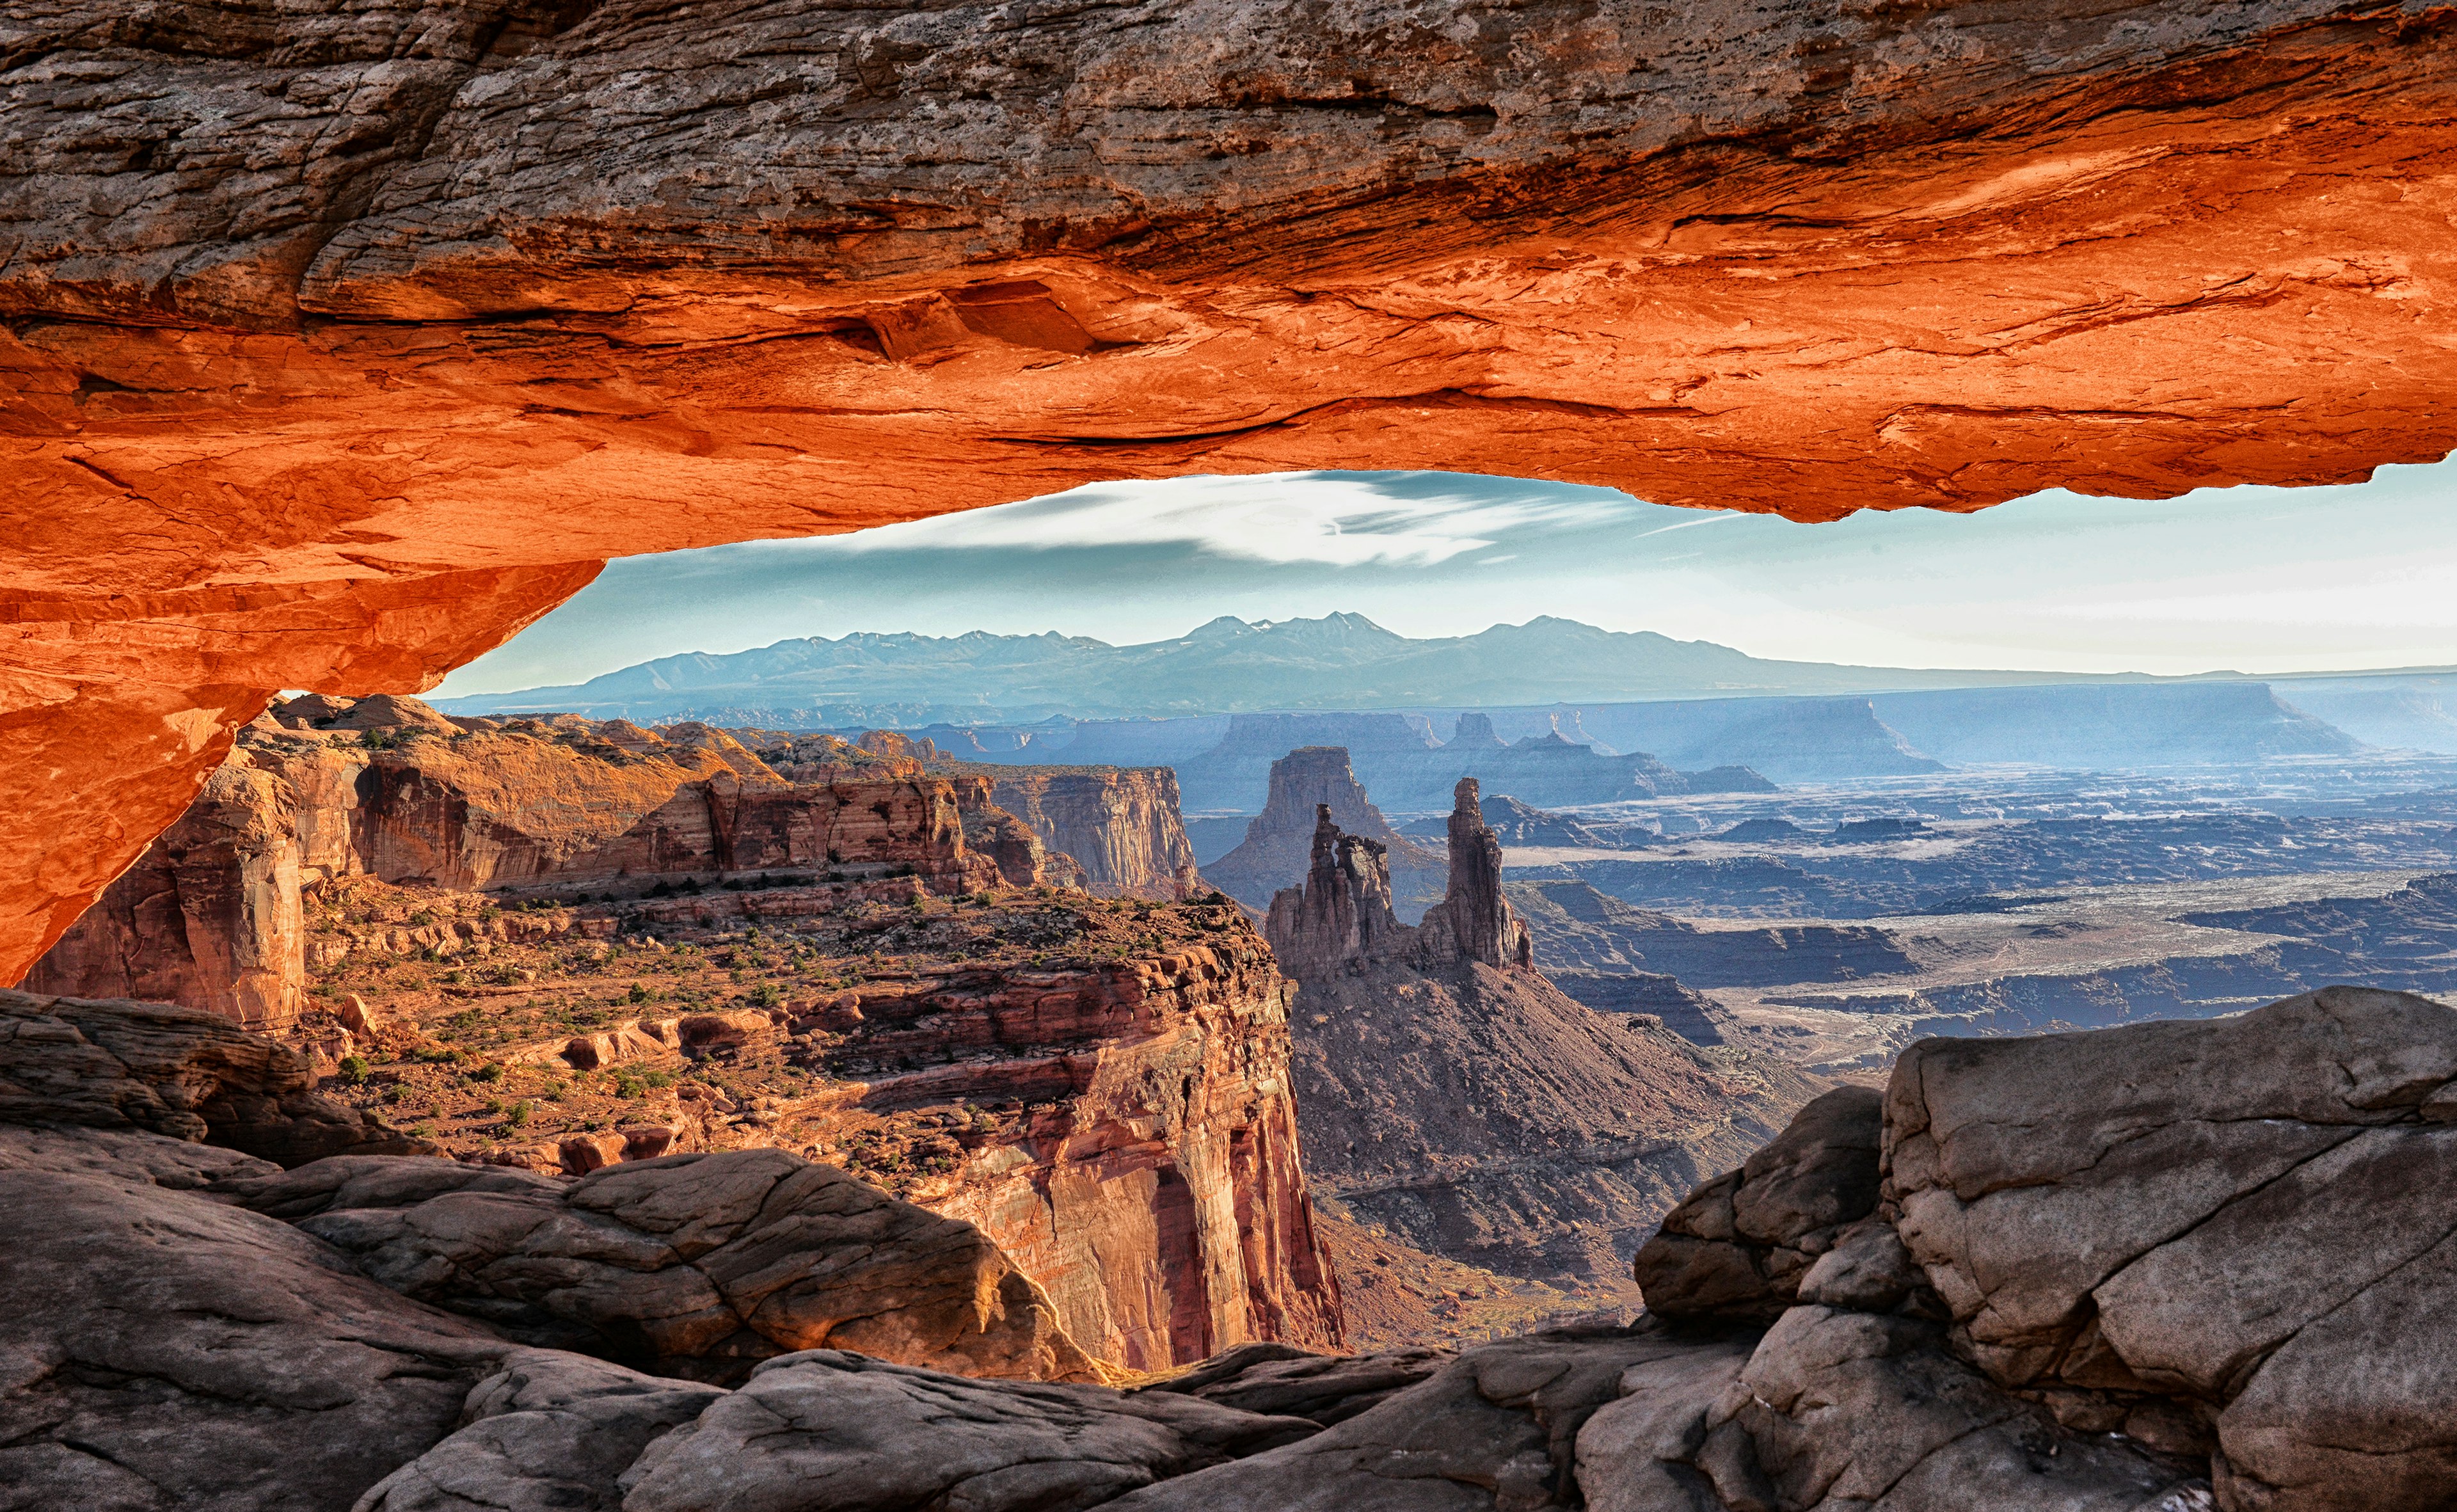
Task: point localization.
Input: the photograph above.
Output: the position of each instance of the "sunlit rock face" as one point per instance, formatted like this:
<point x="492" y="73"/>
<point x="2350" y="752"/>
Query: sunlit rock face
<point x="341" y="342"/>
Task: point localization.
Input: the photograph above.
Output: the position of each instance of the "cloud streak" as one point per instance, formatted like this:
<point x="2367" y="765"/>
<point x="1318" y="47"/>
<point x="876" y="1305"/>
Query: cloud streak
<point x="1288" y="518"/>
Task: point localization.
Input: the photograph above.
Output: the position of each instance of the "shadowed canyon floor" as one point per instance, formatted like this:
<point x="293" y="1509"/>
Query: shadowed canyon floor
<point x="795" y="268"/>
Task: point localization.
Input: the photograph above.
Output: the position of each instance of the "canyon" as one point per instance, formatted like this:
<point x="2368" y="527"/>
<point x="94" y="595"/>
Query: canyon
<point x="1805" y="262"/>
<point x="559" y="945"/>
<point x="2014" y="1277"/>
<point x="1448" y="1093"/>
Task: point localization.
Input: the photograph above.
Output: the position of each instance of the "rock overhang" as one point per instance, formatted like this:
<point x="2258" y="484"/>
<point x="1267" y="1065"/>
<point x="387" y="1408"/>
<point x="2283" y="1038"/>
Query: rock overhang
<point x="340" y="346"/>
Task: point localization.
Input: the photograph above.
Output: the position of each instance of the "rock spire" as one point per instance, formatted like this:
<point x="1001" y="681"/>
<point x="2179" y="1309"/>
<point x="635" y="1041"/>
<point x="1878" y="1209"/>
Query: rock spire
<point x="1342" y="911"/>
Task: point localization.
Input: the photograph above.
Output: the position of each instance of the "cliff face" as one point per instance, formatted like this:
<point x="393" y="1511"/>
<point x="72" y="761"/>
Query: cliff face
<point x="1449" y="1091"/>
<point x="1121" y="824"/>
<point x="1161" y="1200"/>
<point x="1282" y="841"/>
<point x="2170" y="1266"/>
<point x="210" y="914"/>
<point x="1102" y="1088"/>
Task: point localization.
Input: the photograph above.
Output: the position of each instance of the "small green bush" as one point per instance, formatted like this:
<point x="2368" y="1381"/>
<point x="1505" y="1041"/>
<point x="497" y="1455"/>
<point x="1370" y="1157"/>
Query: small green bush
<point x="354" y="1069"/>
<point x="518" y="1114"/>
<point x="488" y="1072"/>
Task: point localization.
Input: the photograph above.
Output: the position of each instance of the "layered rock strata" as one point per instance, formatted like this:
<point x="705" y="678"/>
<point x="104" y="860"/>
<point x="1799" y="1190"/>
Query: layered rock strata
<point x="1121" y="824"/>
<point x="2013" y="1304"/>
<point x="1162" y="1197"/>
<point x="212" y="914"/>
<point x="1450" y="1092"/>
<point x="1280" y="842"/>
<point x="1101" y="1086"/>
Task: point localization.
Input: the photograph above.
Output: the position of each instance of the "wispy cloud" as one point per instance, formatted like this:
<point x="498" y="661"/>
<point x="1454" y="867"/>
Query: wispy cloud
<point x="1331" y="519"/>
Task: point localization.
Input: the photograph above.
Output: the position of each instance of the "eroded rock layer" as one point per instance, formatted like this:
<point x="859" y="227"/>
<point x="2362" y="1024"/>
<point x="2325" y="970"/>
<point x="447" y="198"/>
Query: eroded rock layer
<point x="1121" y="824"/>
<point x="1117" y="1117"/>
<point x="301" y="296"/>
<point x="2166" y="1268"/>
<point x="212" y="914"/>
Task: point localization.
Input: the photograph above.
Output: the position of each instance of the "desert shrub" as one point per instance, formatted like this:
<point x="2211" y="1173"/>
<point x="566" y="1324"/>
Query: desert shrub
<point x="354" y="1069"/>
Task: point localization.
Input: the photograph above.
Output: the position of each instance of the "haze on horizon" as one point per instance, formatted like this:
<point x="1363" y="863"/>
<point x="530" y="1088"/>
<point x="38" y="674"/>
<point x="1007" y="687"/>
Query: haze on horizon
<point x="2251" y="579"/>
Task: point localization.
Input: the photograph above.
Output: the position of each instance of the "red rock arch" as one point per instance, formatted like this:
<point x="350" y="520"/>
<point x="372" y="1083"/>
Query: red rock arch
<point x="341" y="346"/>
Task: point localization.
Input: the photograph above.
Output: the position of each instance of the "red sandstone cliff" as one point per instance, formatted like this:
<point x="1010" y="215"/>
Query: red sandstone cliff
<point x="1160" y="1197"/>
<point x="1144" y="1168"/>
<point x="388" y="788"/>
<point x="1121" y="824"/>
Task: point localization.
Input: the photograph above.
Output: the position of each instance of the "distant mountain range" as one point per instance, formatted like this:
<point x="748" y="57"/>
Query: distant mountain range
<point x="1339" y="661"/>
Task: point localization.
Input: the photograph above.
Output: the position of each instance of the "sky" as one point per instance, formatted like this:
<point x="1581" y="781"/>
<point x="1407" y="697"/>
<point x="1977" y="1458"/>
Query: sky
<point x="2250" y="579"/>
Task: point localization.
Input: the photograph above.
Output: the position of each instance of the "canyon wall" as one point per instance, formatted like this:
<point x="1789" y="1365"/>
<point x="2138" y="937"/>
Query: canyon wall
<point x="1160" y="1198"/>
<point x="210" y="914"/>
<point x="1150" y="1183"/>
<point x="1121" y="824"/>
<point x="301" y="296"/>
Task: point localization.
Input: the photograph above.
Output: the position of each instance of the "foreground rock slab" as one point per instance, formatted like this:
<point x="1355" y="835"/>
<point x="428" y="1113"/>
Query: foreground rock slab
<point x="695" y="1266"/>
<point x="165" y="1353"/>
<point x="175" y="1071"/>
<point x="2221" y="1237"/>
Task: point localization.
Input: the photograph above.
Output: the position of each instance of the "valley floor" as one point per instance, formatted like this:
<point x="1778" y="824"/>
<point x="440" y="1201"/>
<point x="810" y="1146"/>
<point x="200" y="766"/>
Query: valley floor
<point x="1834" y="925"/>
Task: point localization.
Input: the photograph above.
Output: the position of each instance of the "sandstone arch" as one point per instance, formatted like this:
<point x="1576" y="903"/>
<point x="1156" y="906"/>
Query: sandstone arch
<point x="341" y="345"/>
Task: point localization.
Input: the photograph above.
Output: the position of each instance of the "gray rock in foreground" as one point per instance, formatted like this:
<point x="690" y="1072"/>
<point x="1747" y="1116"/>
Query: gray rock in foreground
<point x="697" y="1266"/>
<point x="2168" y="1268"/>
<point x="181" y="1072"/>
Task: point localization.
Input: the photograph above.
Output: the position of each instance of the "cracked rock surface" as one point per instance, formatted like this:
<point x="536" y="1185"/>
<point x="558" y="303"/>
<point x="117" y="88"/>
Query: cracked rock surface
<point x="2165" y="1268"/>
<point x="164" y="1352"/>
<point x="1739" y="1246"/>
<point x="2235" y="1216"/>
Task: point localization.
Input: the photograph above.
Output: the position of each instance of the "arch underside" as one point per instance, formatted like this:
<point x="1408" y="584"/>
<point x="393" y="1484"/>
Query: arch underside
<point x="340" y="348"/>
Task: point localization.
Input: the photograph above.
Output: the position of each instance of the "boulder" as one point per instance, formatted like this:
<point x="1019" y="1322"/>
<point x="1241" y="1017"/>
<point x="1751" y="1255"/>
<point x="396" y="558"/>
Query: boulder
<point x="1494" y="1430"/>
<point x="1739" y="1246"/>
<point x="697" y="1266"/>
<point x="1840" y="1409"/>
<point x="2226" y="1222"/>
<point x="548" y="1432"/>
<point x="181" y="1072"/>
<point x="1283" y="1379"/>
